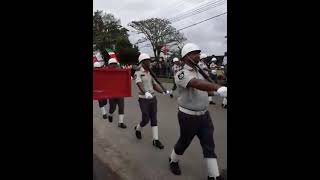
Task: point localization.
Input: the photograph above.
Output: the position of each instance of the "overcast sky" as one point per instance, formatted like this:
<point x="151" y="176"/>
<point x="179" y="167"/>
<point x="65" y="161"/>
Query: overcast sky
<point x="209" y="35"/>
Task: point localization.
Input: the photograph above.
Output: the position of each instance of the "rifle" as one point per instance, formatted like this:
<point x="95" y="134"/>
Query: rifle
<point x="155" y="78"/>
<point x="201" y="71"/>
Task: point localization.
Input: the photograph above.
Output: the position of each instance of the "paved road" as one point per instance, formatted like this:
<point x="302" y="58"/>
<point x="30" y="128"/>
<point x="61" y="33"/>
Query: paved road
<point x="101" y="171"/>
<point x="138" y="159"/>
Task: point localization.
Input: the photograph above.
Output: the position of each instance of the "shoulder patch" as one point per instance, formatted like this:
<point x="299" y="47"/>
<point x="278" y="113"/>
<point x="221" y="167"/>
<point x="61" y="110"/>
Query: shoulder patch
<point x="181" y="75"/>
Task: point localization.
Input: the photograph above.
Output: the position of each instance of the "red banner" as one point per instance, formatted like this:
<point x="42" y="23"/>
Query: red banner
<point x="111" y="83"/>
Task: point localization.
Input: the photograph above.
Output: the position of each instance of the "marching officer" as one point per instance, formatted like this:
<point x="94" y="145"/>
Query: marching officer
<point x="100" y="63"/>
<point x="203" y="66"/>
<point x="175" y="68"/>
<point x="194" y="118"/>
<point x="147" y="99"/>
<point x="113" y="102"/>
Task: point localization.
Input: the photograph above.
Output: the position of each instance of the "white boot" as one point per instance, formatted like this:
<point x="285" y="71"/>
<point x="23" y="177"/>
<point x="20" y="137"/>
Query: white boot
<point x="121" y="124"/>
<point x="121" y="117"/>
<point x="155" y="133"/>
<point x="103" y="110"/>
<point x="212" y="164"/>
<point x="138" y="127"/>
<point x="174" y="157"/>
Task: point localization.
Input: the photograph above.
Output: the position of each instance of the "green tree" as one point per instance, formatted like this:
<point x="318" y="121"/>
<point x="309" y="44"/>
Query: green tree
<point x="108" y="33"/>
<point x="159" y="33"/>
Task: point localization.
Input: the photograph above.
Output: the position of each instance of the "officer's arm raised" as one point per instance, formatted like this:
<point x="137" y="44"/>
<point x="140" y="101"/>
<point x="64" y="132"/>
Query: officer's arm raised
<point x="203" y="85"/>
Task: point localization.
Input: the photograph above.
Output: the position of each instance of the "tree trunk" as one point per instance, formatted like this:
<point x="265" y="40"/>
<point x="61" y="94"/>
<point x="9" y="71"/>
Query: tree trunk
<point x="155" y="54"/>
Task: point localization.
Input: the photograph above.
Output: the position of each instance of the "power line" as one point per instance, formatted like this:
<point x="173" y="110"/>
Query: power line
<point x="196" y="12"/>
<point x="171" y="6"/>
<point x="202" y="21"/>
<point x="202" y="7"/>
<point x="208" y="4"/>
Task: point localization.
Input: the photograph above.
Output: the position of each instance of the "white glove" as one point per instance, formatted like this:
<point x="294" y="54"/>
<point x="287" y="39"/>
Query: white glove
<point x="214" y="72"/>
<point x="222" y="91"/>
<point x="148" y="95"/>
<point x="166" y="92"/>
<point x="224" y="102"/>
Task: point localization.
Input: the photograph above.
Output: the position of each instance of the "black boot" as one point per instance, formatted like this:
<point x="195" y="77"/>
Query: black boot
<point x="110" y="118"/>
<point x="122" y="125"/>
<point x="104" y="116"/>
<point x="171" y="95"/>
<point x="157" y="144"/>
<point x="212" y="103"/>
<point x="174" y="167"/>
<point x="217" y="178"/>
<point x="138" y="133"/>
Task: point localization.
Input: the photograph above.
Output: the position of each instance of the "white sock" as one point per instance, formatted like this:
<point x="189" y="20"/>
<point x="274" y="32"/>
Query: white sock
<point x="210" y="98"/>
<point x="212" y="164"/>
<point x="174" y="157"/>
<point x="138" y="128"/>
<point x="121" y="116"/>
<point x="155" y="133"/>
<point x="103" y="110"/>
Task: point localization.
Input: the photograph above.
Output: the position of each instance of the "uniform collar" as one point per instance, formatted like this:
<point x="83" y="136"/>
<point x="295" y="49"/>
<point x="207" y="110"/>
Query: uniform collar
<point x="186" y="66"/>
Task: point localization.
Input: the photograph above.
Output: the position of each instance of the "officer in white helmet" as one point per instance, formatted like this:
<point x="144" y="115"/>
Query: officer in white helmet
<point x="213" y="68"/>
<point x="114" y="102"/>
<point x="204" y="67"/>
<point x="201" y="63"/>
<point x="194" y="118"/>
<point x="177" y="65"/>
<point x="147" y="99"/>
<point x="225" y="63"/>
<point x="213" y="63"/>
<point x="100" y="63"/>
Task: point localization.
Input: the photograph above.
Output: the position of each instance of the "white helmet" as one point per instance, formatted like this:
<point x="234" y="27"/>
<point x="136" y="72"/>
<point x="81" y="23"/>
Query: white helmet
<point x="202" y="55"/>
<point x="189" y="47"/>
<point x="98" y="64"/>
<point x="143" y="56"/>
<point x="112" y="60"/>
<point x="213" y="59"/>
<point x="175" y="59"/>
